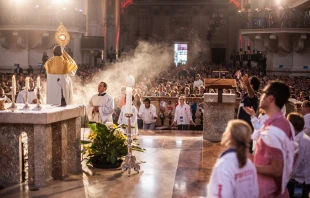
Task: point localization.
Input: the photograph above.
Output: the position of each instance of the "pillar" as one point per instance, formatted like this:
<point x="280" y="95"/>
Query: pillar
<point x="40" y="156"/>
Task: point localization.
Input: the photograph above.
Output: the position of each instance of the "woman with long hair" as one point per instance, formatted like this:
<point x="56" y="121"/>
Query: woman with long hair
<point x="233" y="174"/>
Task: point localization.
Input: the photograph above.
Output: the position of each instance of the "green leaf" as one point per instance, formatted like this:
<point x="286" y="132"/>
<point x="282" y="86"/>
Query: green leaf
<point x="85" y="142"/>
<point x="113" y="159"/>
<point x="92" y="126"/>
<point x="101" y="127"/>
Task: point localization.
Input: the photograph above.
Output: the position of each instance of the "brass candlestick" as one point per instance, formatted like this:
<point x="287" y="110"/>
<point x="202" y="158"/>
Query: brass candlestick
<point x="130" y="160"/>
<point x="13" y="106"/>
<point x="26" y="107"/>
<point x="38" y="107"/>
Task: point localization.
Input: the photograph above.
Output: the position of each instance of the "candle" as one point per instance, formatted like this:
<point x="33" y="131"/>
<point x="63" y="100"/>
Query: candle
<point x="130" y="81"/>
<point x="14" y="84"/>
<point x="27" y="83"/>
<point x="128" y="108"/>
<point x="38" y="82"/>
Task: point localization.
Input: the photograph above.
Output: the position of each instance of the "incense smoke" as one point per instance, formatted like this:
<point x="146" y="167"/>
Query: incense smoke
<point x="146" y="61"/>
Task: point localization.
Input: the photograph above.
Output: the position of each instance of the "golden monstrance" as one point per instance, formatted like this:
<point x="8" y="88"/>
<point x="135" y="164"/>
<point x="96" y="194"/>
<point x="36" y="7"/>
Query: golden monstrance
<point x="62" y="36"/>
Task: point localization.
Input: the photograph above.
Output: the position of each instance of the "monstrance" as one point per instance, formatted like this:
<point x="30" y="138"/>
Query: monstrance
<point x="62" y="36"/>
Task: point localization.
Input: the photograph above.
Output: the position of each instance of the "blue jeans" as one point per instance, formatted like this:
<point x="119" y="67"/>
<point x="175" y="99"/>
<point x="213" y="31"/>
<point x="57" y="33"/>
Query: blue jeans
<point x="150" y="126"/>
<point x="140" y="123"/>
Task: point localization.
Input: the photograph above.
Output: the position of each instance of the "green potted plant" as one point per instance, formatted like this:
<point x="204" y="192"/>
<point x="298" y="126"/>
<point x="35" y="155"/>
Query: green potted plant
<point x="107" y="146"/>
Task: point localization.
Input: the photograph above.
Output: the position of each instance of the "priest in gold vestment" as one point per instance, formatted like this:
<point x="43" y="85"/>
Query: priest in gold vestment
<point x="61" y="66"/>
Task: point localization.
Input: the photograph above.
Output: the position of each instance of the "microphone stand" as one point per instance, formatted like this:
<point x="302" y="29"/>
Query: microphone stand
<point x="63" y="99"/>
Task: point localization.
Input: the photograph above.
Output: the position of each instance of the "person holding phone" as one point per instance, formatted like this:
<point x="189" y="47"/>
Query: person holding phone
<point x="249" y="99"/>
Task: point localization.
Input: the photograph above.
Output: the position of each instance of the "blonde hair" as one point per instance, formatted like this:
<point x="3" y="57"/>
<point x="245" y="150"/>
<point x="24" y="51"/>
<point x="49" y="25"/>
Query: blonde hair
<point x="238" y="134"/>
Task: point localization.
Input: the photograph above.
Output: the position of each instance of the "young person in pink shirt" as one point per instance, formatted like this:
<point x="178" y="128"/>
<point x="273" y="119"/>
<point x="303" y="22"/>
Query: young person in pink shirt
<point x="274" y="152"/>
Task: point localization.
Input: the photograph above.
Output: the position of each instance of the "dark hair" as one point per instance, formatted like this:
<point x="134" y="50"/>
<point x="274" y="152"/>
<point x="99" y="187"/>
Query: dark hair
<point x="57" y="50"/>
<point x="254" y="81"/>
<point x="297" y="121"/>
<point x="104" y="84"/>
<point x="147" y="100"/>
<point x="306" y="103"/>
<point x="280" y="91"/>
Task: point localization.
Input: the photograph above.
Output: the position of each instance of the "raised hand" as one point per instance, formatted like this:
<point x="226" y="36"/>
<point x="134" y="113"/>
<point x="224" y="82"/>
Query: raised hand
<point x="249" y="110"/>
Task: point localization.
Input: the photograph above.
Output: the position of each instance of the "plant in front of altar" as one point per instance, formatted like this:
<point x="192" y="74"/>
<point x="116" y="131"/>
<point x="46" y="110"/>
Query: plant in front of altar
<point x="106" y="145"/>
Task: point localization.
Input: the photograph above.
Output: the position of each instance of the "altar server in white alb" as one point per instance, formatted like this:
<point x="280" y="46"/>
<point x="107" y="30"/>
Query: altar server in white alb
<point x="234" y="175"/>
<point x="122" y="119"/>
<point x="101" y="106"/>
<point x="61" y="66"/>
<point x="32" y="94"/>
<point x="182" y="115"/>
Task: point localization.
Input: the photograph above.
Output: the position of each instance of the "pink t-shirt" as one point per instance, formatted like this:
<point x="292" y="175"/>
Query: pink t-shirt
<point x="268" y="186"/>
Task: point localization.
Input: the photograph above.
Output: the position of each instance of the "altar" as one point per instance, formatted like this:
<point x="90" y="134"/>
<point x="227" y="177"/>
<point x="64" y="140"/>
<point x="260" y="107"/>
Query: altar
<point x="53" y="143"/>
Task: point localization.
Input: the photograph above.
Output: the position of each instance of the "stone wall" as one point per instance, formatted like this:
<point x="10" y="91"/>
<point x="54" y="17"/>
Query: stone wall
<point x="10" y="152"/>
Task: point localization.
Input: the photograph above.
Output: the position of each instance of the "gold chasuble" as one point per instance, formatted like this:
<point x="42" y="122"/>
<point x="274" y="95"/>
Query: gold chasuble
<point x="62" y="68"/>
<point x="60" y="64"/>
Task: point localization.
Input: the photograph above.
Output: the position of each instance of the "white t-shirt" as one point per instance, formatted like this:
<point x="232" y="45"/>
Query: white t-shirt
<point x="229" y="181"/>
<point x="148" y="115"/>
<point x="307" y="124"/>
<point x="182" y="114"/>
<point x="197" y="83"/>
<point x="21" y="97"/>
<point x="301" y="168"/>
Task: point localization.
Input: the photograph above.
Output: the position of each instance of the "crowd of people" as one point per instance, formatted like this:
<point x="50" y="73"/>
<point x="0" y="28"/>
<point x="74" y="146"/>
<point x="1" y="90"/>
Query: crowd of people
<point x="278" y="162"/>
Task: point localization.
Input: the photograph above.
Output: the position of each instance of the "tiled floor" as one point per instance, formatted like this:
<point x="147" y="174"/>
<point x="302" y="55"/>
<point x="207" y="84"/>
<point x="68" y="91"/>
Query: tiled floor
<point x="177" y="164"/>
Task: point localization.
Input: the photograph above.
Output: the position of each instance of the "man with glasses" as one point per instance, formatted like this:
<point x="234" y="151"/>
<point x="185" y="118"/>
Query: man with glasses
<point x="305" y="111"/>
<point x="274" y="151"/>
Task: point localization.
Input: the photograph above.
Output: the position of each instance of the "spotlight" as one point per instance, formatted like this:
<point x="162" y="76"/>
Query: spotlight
<point x="64" y="8"/>
<point x="81" y="10"/>
<point x="37" y="6"/>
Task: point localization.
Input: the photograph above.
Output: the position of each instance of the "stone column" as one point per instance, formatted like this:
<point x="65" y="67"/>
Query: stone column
<point x="40" y="156"/>
<point x="93" y="17"/>
<point x="117" y="26"/>
<point x="216" y="115"/>
<point x="76" y="47"/>
<point x="111" y="26"/>
<point x="74" y="146"/>
<point x="85" y="11"/>
<point x="60" y="158"/>
<point x="103" y="31"/>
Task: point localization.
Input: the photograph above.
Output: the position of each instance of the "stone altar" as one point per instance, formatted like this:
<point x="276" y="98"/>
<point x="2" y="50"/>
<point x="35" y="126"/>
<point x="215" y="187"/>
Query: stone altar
<point x="53" y="143"/>
<point x="216" y="115"/>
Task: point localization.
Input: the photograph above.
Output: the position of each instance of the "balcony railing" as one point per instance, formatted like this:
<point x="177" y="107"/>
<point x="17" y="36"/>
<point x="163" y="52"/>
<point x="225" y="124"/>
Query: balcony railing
<point x="43" y="18"/>
<point x="289" y="19"/>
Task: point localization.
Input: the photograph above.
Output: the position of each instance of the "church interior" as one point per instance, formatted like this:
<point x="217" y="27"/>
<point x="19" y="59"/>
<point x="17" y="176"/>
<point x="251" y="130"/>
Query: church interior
<point x="84" y="82"/>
